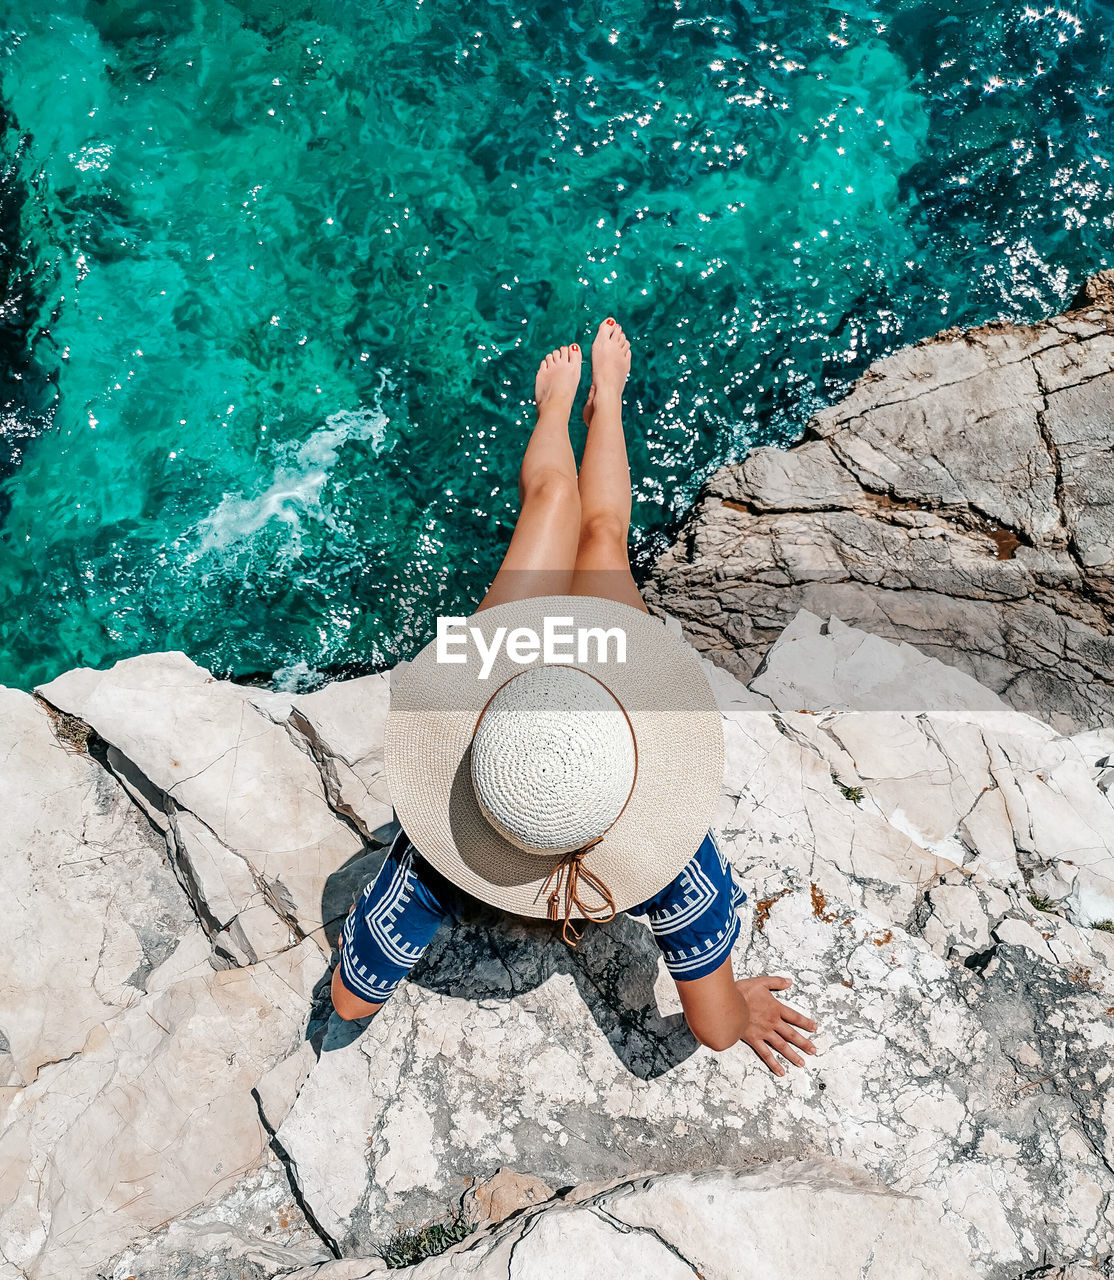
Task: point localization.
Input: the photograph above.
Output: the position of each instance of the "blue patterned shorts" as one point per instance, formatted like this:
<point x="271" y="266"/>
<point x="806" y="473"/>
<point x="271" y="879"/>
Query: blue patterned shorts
<point x="694" y="918"/>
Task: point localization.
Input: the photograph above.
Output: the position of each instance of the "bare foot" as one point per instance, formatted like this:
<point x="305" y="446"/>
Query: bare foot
<point x="610" y="364"/>
<point x="557" y="380"/>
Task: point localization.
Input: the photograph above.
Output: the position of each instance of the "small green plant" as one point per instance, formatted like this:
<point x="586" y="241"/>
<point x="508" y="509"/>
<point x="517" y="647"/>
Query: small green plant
<point x="412" y="1245"/>
<point x="1043" y="903"/>
<point x="1107" y="926"/>
<point x="854" y="794"/>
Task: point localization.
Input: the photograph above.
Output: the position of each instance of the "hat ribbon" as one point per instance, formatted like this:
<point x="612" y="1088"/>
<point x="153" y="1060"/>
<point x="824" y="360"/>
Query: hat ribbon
<point x="571" y="869"/>
<point x="571" y="866"/>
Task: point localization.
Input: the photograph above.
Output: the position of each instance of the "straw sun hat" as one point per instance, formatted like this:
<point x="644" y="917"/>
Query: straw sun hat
<point x="568" y="790"/>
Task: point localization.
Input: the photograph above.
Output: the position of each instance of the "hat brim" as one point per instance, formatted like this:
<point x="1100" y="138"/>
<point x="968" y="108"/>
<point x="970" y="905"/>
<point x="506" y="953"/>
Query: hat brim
<point x="678" y="735"/>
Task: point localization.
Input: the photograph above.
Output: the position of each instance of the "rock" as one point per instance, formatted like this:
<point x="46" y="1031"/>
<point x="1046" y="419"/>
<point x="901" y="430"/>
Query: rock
<point x="342" y="725"/>
<point x="889" y="856"/>
<point x="242" y="802"/>
<point x="960" y="498"/>
<point x="277" y="1088"/>
<point x="97" y="907"/>
<point x="129" y="1061"/>
<point x="1097" y="750"/>
<point x="154" y="1115"/>
<point x="854" y="1226"/>
<point x="504" y="1193"/>
<point x="344" y="1269"/>
<point x="789" y="1218"/>
<point x="1098" y="291"/>
<point x="957" y="926"/>
<point x="254" y="1230"/>
<point x="200" y="835"/>
<point x="833" y="667"/>
<point x="895" y="895"/>
<point x="1022" y="934"/>
<point x="966" y="777"/>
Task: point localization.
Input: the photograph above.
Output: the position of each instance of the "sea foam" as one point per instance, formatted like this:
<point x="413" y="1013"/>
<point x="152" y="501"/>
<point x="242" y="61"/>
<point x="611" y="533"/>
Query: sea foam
<point x="297" y="488"/>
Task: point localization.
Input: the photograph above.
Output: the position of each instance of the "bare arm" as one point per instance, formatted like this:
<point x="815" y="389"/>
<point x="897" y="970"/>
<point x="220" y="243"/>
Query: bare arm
<point x="722" y="1010"/>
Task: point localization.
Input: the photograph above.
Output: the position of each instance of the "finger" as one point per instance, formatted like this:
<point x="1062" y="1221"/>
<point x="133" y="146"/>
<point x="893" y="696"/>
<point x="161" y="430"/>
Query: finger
<point x="795" y="1037"/>
<point x="778" y="982"/>
<point x="769" y="1058"/>
<point x="798" y="1019"/>
<point x="784" y="1049"/>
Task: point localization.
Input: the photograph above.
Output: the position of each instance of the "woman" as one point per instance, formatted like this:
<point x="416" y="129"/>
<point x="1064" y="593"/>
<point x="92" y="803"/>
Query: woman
<point x="571" y="541"/>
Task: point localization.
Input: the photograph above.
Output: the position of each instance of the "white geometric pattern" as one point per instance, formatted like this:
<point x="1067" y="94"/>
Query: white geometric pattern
<point x="358" y="978"/>
<point x="688" y="960"/>
<point x="382" y="921"/>
<point x="698" y="895"/>
<point x="382" y="924"/>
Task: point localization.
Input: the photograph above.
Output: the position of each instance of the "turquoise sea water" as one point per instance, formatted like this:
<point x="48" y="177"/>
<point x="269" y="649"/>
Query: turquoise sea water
<point x="278" y="277"/>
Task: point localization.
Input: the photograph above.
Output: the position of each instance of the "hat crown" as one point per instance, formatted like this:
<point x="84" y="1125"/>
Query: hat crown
<point x="553" y="759"/>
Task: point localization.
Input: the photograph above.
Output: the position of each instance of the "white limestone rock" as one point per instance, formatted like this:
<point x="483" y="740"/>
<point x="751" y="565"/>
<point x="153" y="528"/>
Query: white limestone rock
<point x="941" y="759"/>
<point x="343" y="727"/>
<point x="94" y="907"/>
<point x="827" y="666"/>
<point x="784" y="1220"/>
<point x="501" y="1195"/>
<point x="153" y="1117"/>
<point x="255" y="1229"/>
<point x="960" y="498"/>
<point x="881" y="876"/>
<point x="783" y="808"/>
<point x="958" y="926"/>
<point x="917" y="1058"/>
<point x="261" y="836"/>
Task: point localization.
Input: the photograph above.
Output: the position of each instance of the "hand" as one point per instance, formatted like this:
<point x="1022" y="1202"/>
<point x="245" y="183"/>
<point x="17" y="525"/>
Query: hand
<point x="772" y="1025"/>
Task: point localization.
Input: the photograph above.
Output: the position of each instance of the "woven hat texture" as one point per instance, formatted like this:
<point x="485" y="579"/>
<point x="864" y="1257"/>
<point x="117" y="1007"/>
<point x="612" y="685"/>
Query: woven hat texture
<point x="553" y="759"/>
<point x="437" y="707"/>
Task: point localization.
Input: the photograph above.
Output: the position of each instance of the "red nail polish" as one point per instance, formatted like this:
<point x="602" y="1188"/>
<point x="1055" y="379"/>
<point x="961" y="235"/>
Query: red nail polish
<point x="575" y="347"/>
<point x="609" y="320"/>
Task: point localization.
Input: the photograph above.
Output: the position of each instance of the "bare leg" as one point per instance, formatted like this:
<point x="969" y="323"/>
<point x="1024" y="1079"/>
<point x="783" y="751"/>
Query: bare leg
<point x="602" y="567"/>
<point x="542" y="551"/>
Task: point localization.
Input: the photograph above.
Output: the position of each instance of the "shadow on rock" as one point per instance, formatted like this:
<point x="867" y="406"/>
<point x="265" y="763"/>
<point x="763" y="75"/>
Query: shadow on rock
<point x="489" y="956"/>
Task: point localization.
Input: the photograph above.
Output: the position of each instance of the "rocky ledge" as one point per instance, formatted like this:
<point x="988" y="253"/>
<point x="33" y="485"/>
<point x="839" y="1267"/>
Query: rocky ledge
<point x="959" y="498"/>
<point x="931" y="862"/>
